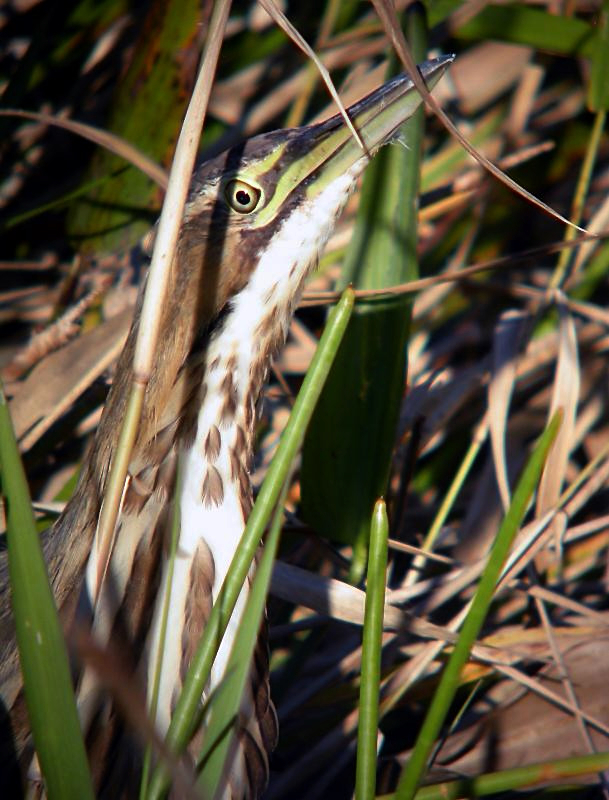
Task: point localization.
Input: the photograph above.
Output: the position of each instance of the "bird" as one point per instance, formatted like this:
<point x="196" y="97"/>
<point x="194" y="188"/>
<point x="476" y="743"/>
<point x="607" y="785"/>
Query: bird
<point x="255" y="222"/>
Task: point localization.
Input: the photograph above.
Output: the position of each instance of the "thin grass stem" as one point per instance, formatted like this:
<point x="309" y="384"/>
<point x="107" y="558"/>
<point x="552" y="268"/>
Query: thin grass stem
<point x="367" y="732"/>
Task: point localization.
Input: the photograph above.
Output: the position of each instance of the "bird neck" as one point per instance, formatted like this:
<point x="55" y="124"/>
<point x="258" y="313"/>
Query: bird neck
<point x="215" y="458"/>
<point x="217" y="451"/>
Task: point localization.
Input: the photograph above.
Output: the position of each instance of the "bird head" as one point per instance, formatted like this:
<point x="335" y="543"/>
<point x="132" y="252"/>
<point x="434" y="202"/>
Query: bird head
<point x="257" y="218"/>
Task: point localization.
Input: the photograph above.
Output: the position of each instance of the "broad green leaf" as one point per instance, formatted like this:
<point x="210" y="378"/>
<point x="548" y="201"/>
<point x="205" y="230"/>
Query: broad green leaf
<point x="598" y="88"/>
<point x="147" y="110"/>
<point x="530" y="26"/>
<point x="347" y="452"/>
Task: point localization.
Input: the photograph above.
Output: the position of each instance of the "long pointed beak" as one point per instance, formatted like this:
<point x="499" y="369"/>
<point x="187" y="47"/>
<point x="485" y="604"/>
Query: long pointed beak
<point x="313" y="157"/>
<point x="376" y="118"/>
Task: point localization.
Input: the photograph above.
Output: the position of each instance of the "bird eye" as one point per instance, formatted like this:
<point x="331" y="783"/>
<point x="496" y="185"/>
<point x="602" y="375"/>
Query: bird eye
<point x="242" y="197"/>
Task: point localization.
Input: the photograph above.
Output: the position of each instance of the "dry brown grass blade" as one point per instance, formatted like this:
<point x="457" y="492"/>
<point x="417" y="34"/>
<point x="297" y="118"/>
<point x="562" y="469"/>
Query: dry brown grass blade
<point x="393" y="544"/>
<point x="531" y="539"/>
<point x="342" y="601"/>
<point x="344" y="731"/>
<point x="284" y="23"/>
<point x="437" y="400"/>
<point x="564" y="602"/>
<point x="327" y="596"/>
<point x="156" y="288"/>
<point x="565" y="395"/>
<point x="412" y="287"/>
<point x="531" y="729"/>
<point x="53" y="385"/>
<point x="535" y="535"/>
<point x="590" y="480"/>
<point x="589" y="528"/>
<point x="528" y="542"/>
<point x="391" y="24"/>
<point x="451" y="378"/>
<point x="230" y="97"/>
<point x="564" y="673"/>
<point x="553" y="697"/>
<point x="101" y="137"/>
<point x="474" y="88"/>
<point x="54" y="336"/>
<point x="407" y="675"/>
<point x="506" y="344"/>
<point x="598" y="224"/>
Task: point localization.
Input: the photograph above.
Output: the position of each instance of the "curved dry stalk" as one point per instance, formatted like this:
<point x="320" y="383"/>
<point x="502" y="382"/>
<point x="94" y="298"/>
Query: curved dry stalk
<point x="156" y="288"/>
<point x="284" y="23"/>
<point x="412" y="287"/>
<point x="390" y="22"/>
<point x="115" y="144"/>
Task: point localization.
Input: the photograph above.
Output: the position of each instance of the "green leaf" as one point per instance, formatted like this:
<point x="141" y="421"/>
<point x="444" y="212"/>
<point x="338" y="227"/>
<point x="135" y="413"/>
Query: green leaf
<point x="365" y="773"/>
<point x="147" y="109"/>
<point x="598" y="88"/>
<point x="347" y="452"/>
<point x="44" y="661"/>
<point x="507" y="780"/>
<point x="529" y="26"/>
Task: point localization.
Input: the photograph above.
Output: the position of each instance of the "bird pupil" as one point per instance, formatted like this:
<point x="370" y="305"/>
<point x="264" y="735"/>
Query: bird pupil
<point x="243" y="197"/>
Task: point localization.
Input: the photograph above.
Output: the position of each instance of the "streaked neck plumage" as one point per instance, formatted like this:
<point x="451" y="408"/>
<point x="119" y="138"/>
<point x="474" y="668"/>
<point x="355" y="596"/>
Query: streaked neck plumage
<point x="215" y="497"/>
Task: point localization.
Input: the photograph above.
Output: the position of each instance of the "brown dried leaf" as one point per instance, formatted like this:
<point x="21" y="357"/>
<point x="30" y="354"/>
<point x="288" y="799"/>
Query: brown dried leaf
<point x="284" y="23"/>
<point x="530" y="729"/>
<point x="506" y="344"/>
<point x="475" y="88"/>
<point x="57" y="381"/>
<point x="565" y="396"/>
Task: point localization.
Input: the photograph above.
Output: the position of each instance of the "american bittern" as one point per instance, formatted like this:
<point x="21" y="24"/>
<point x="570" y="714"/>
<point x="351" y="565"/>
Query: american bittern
<point x="255" y="222"/>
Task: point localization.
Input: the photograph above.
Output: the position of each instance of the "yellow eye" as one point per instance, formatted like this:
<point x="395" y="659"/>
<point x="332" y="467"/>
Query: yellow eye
<point x="242" y="197"/>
